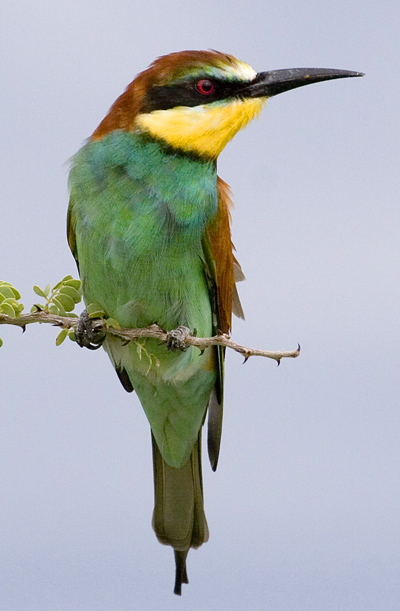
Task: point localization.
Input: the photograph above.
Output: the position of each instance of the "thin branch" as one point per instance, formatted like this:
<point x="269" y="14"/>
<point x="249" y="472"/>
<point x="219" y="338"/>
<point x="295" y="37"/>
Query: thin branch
<point x="65" y="322"/>
<point x="154" y="331"/>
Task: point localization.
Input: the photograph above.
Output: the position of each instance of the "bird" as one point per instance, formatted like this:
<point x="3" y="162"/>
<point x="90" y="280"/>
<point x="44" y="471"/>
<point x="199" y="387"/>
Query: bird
<point x="149" y="225"/>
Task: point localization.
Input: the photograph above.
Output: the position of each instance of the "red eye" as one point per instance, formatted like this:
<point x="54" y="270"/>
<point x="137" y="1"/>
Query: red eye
<point x="205" y="87"/>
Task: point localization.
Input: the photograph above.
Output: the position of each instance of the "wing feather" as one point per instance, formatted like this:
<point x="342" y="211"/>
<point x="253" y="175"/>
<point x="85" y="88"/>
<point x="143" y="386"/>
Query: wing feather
<point x="222" y="270"/>
<point x="227" y="268"/>
<point x="71" y="234"/>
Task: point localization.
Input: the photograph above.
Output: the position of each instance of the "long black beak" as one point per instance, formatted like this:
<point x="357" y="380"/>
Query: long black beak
<point x="267" y="84"/>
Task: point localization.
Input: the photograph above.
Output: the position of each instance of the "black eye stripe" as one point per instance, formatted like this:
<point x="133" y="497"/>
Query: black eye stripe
<point x="188" y="94"/>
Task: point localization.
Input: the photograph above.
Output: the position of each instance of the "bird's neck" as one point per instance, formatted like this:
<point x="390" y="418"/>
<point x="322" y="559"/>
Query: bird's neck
<point x="184" y="185"/>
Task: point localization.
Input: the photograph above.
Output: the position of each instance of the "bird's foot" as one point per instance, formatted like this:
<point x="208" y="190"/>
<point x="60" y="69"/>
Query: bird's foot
<point x="86" y="334"/>
<point x="176" y="339"/>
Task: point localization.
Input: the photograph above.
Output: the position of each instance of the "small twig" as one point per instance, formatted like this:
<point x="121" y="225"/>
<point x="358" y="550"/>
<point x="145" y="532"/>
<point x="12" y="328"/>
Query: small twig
<point x="154" y="331"/>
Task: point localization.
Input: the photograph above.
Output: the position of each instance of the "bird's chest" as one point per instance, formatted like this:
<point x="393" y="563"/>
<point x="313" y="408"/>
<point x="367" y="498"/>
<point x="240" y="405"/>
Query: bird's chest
<point x="139" y="226"/>
<point x="132" y="194"/>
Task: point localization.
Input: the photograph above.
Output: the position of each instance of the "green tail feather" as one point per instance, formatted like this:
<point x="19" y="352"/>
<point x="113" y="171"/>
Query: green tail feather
<point x="178" y="518"/>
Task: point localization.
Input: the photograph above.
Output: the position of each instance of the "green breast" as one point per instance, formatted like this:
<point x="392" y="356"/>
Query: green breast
<point x="140" y="213"/>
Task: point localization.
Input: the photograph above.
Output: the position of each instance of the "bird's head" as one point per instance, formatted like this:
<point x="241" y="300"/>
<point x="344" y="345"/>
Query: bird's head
<point x="196" y="101"/>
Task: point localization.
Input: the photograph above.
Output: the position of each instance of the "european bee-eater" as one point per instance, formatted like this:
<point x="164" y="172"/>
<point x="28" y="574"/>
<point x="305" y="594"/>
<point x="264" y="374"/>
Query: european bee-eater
<point x="149" y="226"/>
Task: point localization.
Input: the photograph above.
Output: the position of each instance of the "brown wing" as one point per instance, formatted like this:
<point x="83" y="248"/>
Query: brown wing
<point x="227" y="268"/>
<point x="222" y="272"/>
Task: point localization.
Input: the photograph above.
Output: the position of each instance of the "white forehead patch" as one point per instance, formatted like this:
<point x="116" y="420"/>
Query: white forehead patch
<point x="243" y="71"/>
<point x="235" y="70"/>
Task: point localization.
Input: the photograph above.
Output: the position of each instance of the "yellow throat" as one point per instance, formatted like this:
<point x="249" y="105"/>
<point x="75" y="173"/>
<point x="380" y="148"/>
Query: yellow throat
<point x="204" y="129"/>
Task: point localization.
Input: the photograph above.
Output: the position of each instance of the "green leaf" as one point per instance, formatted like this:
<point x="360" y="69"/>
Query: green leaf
<point x="53" y="309"/>
<point x="71" y="292"/>
<point x="59" y="306"/>
<point x="39" y="291"/>
<point x="14" y="290"/>
<point x="76" y="284"/>
<point x="95" y="310"/>
<point x="61" y="337"/>
<point x="13" y="303"/>
<point x="71" y="335"/>
<point x="47" y="290"/>
<point x="66" y="301"/>
<point x="5" y="292"/>
<point x="1" y="342"/>
<point x="7" y="309"/>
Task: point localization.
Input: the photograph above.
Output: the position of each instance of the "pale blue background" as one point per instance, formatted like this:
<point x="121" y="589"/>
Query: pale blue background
<point x="304" y="509"/>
